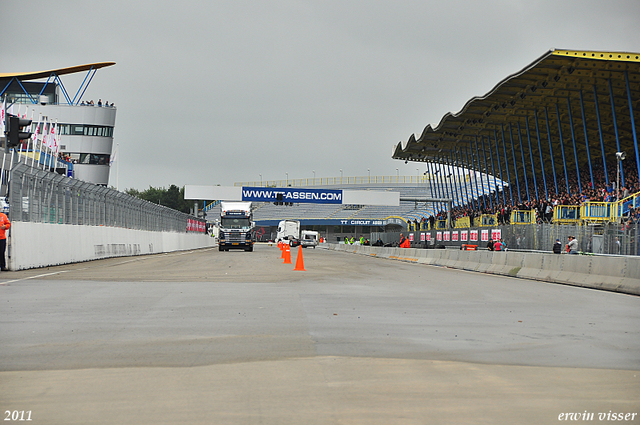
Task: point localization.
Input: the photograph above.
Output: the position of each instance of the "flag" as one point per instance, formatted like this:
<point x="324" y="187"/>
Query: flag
<point x="36" y="132"/>
<point x="55" y="138"/>
<point x="35" y="139"/>
<point x="50" y="136"/>
<point x="113" y="156"/>
<point x="2" y="115"/>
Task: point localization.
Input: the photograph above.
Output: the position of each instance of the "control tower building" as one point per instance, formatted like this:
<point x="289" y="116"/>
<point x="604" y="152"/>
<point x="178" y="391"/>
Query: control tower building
<point x="85" y="130"/>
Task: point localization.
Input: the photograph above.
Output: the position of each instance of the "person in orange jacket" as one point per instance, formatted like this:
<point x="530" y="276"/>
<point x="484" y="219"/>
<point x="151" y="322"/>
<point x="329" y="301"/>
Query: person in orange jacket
<point x="4" y="225"/>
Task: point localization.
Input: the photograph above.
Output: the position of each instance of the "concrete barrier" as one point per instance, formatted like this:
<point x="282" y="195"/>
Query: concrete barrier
<point x="610" y="273"/>
<point x="33" y="245"/>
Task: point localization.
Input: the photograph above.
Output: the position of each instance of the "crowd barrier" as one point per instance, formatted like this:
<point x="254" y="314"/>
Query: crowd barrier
<point x="610" y="273"/>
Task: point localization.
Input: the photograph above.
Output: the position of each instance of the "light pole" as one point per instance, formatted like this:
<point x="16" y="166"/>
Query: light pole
<point x="341" y="176"/>
<point x="397" y="175"/>
<point x="314" y="176"/>
<point x="369" y="171"/>
<point x="260" y="180"/>
<point x="287" y="178"/>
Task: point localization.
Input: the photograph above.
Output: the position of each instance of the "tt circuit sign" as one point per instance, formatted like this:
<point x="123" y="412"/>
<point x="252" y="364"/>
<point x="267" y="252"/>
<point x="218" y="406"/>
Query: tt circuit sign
<point x="293" y="195"/>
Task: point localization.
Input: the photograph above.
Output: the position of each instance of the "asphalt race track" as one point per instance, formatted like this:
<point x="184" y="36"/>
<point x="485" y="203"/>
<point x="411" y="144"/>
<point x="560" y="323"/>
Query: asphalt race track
<point x="209" y="337"/>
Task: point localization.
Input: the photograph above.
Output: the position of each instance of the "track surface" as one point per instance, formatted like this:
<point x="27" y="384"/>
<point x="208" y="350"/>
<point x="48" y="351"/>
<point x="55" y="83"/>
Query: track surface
<point x="239" y="338"/>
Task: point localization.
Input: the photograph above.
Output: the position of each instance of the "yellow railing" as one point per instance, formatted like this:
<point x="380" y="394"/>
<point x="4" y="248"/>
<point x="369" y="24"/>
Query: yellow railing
<point x="486" y="220"/>
<point x="596" y="211"/>
<point x="523" y="216"/>
<point x="441" y="224"/>
<point x="566" y="214"/>
<point x="462" y="223"/>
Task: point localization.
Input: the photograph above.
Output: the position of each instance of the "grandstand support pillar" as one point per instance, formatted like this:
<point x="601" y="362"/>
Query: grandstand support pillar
<point x="633" y="125"/>
<point x="544" y="177"/>
<point x="515" y="165"/>
<point x="564" y="162"/>
<point x="484" y="156"/>
<point x="443" y="177"/>
<point x="456" y="179"/>
<point x="604" y="162"/>
<point x="441" y="181"/>
<point x="615" y="125"/>
<point x="573" y="139"/>
<point x="436" y="175"/>
<point x="431" y="178"/>
<point x="553" y="166"/>
<point x="495" y="138"/>
<point x="586" y="138"/>
<point x="524" y="164"/>
<point x="506" y="163"/>
<point x="475" y="179"/>
<point x="484" y="202"/>
<point x="533" y="168"/>
<point x="493" y="171"/>
<point x="466" y="189"/>
<point x="452" y="178"/>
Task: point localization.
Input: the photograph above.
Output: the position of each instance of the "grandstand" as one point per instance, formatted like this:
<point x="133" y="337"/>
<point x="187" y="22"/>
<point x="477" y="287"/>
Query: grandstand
<point x="545" y="147"/>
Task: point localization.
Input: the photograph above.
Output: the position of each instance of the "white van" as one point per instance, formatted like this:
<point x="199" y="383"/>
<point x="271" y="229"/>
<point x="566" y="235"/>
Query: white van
<point x="309" y="238"/>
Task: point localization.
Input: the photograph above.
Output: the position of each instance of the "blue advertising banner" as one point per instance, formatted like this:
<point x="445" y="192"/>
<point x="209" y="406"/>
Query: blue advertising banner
<point x="290" y="194"/>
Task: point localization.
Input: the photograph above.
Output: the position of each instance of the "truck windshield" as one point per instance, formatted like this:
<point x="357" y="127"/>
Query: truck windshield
<point x="235" y="223"/>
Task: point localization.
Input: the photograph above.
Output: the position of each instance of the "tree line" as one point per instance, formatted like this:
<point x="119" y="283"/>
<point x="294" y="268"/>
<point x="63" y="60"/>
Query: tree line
<point x="173" y="197"/>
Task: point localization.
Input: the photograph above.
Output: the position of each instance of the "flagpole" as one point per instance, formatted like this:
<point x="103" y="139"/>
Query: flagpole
<point x="45" y="134"/>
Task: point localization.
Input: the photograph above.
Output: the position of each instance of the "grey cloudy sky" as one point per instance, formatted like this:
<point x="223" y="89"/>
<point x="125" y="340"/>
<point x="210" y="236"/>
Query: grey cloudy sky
<point x="217" y="92"/>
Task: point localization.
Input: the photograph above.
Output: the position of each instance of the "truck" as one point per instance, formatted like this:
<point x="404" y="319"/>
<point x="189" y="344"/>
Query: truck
<point x="309" y="238"/>
<point x="289" y="230"/>
<point x="235" y="227"/>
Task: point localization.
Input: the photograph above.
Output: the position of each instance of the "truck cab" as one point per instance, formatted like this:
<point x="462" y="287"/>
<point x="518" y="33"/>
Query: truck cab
<point x="235" y="227"/>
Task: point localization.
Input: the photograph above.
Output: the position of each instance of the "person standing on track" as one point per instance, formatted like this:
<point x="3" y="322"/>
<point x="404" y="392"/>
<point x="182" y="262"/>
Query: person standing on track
<point x="4" y="225"/>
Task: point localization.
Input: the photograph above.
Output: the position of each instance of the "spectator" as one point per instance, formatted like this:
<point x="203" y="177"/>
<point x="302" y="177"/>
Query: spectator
<point x="572" y="246"/>
<point x="4" y="225"/>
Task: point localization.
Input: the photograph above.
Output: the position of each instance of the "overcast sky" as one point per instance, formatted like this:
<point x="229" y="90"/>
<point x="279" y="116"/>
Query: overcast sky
<point x="217" y="92"/>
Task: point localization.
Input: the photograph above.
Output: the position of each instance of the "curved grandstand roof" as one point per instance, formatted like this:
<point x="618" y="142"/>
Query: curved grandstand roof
<point x="554" y="92"/>
<point x="26" y="76"/>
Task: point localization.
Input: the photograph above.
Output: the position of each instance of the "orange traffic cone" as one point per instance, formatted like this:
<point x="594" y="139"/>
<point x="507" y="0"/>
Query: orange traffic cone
<point x="287" y="254"/>
<point x="299" y="261"/>
<point x="282" y="250"/>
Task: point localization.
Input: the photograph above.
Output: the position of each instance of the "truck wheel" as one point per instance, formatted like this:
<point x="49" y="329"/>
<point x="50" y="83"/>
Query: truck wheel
<point x="220" y="248"/>
<point x="250" y="249"/>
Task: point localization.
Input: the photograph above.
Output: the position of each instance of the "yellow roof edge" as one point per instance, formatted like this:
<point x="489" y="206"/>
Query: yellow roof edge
<point x="598" y="55"/>
<point x="60" y="71"/>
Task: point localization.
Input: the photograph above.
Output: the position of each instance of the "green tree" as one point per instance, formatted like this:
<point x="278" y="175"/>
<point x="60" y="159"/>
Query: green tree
<point x="173" y="197"/>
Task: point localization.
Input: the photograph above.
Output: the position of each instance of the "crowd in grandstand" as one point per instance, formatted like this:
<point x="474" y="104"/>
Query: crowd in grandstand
<point x="500" y="204"/>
